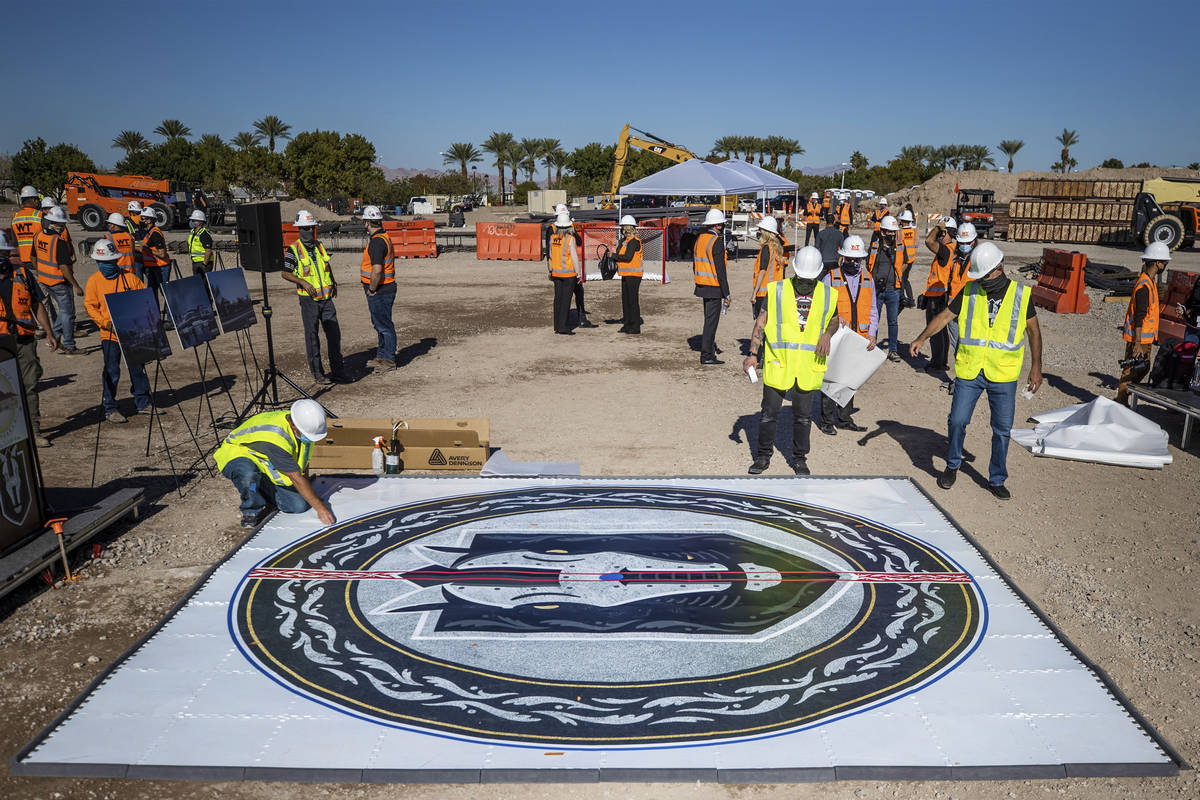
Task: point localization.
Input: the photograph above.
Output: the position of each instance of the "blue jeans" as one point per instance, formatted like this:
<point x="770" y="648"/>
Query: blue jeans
<point x="380" y="305"/>
<point x="1002" y="398"/>
<point x="257" y="491"/>
<point x="112" y="375"/>
<point x="62" y="309"/>
<point x="890" y="298"/>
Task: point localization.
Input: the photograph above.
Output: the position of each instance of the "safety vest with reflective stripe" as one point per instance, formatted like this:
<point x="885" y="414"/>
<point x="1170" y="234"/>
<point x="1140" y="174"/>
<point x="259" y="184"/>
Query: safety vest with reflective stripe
<point x="998" y="347"/>
<point x="844" y="215"/>
<point x="812" y="212"/>
<point x="389" y="261"/>
<point x="633" y="267"/>
<point x="939" y="273"/>
<point x="148" y="257"/>
<point x="791" y="353"/>
<point x="958" y="273"/>
<point x="195" y="246"/>
<point x="313" y="271"/>
<point x="908" y="242"/>
<point x="563" y="254"/>
<point x="877" y="217"/>
<point x="772" y="253"/>
<point x="132" y="227"/>
<point x="16" y="311"/>
<point x="704" y="265"/>
<point x="26" y="225"/>
<point x="270" y="427"/>
<point x="1150" y="321"/>
<point x="123" y="243"/>
<point x="858" y="315"/>
<point x="45" y="255"/>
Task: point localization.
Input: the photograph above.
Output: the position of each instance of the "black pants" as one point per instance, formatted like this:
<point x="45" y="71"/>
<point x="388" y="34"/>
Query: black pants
<point x="939" y="343"/>
<point x="828" y="408"/>
<point x="772" y="402"/>
<point x="757" y="307"/>
<point x="631" y="308"/>
<point x="712" y="318"/>
<point x="563" y="288"/>
<point x="906" y="290"/>
<point x="315" y="316"/>
<point x="811" y="229"/>
<point x="579" y="300"/>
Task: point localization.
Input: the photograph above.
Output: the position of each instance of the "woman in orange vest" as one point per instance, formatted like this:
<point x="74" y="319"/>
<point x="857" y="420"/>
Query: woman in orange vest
<point x="844" y="215"/>
<point x="936" y="296"/>
<point x="1141" y="319"/>
<point x="629" y="267"/>
<point x="21" y="312"/>
<point x="564" y="269"/>
<point x="856" y="308"/>
<point x="378" y="275"/>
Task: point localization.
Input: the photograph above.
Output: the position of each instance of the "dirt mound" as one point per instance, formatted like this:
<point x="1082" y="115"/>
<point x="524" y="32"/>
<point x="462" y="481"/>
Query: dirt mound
<point x="289" y="209"/>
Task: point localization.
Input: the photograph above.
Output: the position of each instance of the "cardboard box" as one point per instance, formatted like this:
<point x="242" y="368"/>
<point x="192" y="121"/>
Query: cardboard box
<point x="457" y="445"/>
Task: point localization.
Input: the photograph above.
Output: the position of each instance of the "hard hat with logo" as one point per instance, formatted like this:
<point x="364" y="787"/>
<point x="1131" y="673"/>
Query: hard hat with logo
<point x="116" y="219"/>
<point x="198" y="216"/>
<point x="134" y="207"/>
<point x="628" y="220"/>
<point x="768" y="224"/>
<point x="4" y="245"/>
<point x="562" y="219"/>
<point x="105" y="250"/>
<point x="309" y="418"/>
<point x="806" y="263"/>
<point x="966" y="233"/>
<point x="715" y="216"/>
<point x="883" y="201"/>
<point x="984" y="259"/>
<point x="305" y="219"/>
<point x="814" y="196"/>
<point x="853" y="247"/>
<point x="48" y="202"/>
<point x="889" y="223"/>
<point x="56" y="215"/>
<point x="372" y="213"/>
<point x="28" y="192"/>
<point x="1156" y="251"/>
<point x="906" y="216"/>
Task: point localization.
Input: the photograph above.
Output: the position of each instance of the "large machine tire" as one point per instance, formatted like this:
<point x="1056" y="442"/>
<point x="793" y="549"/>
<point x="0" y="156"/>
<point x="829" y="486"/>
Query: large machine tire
<point x="1167" y="229"/>
<point x="164" y="215"/>
<point x="92" y="217"/>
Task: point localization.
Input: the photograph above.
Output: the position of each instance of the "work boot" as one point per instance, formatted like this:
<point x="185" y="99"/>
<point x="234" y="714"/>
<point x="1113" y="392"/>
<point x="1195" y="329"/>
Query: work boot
<point x="851" y="425"/>
<point x="800" y="467"/>
<point x="324" y="380"/>
<point x="251" y="519"/>
<point x="827" y="429"/>
<point x="759" y="466"/>
<point x="583" y="323"/>
<point x="711" y="360"/>
<point x="40" y="440"/>
<point x="116" y="417"/>
<point x="947" y="478"/>
<point x="999" y="491"/>
<point x="893" y="356"/>
<point x="383" y="362"/>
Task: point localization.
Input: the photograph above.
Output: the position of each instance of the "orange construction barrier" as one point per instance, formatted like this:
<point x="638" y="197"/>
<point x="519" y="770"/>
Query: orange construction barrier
<point x="508" y="241"/>
<point x="1179" y="289"/>
<point x="290" y="234"/>
<point x="1060" y="286"/>
<point x="412" y="238"/>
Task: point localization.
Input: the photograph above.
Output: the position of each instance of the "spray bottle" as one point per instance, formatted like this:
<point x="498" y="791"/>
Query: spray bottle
<point x="377" y="459"/>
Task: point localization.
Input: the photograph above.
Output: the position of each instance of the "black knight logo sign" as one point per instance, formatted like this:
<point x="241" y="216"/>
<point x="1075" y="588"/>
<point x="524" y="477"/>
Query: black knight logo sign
<point x="16" y="494"/>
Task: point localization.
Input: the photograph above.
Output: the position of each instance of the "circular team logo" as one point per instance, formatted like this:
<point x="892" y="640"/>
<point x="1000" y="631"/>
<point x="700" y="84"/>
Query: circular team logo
<point x="606" y="616"/>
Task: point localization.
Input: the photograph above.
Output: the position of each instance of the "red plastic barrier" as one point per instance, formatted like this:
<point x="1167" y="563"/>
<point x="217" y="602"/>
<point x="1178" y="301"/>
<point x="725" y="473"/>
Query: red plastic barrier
<point x="508" y="241"/>
<point x="290" y="234"/>
<point x="412" y="238"/>
<point x="1179" y="289"/>
<point x="1060" y="286"/>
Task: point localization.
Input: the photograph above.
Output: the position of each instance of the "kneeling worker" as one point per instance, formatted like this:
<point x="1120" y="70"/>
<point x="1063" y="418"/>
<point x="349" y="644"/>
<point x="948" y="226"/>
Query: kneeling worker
<point x="856" y="307"/>
<point x="799" y="320"/>
<point x="266" y="458"/>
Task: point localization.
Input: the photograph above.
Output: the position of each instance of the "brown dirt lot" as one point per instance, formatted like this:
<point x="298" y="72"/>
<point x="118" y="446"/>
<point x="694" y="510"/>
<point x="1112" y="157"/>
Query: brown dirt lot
<point x="1110" y="554"/>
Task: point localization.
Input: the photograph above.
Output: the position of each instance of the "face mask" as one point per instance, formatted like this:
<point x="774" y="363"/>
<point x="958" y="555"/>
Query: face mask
<point x="991" y="285"/>
<point x="305" y="439"/>
<point x="193" y="225"/>
<point x="109" y="269"/>
<point x="965" y="249"/>
<point x="850" y="266"/>
<point x="804" y="285"/>
<point x="308" y="235"/>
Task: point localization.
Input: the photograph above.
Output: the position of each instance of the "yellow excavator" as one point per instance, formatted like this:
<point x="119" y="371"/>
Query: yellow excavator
<point x="645" y="141"/>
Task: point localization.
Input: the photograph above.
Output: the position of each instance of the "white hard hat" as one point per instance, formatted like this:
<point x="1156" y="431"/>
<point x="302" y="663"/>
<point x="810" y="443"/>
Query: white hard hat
<point x="906" y="216"/>
<point x="116" y="219"/>
<point x="4" y="245"/>
<point x="768" y="224"/>
<point x="134" y="207"/>
<point x="197" y="216"/>
<point x="305" y="219"/>
<point x="308" y="416"/>
<point x="814" y="196"/>
<point x="949" y="224"/>
<point x="628" y="220"/>
<point x="889" y="223"/>
<point x="984" y="259"/>
<point x="883" y="201"/>
<point x="372" y="213"/>
<point x="853" y="247"/>
<point x="56" y="215"/>
<point x="561" y="208"/>
<point x="1156" y="251"/>
<point x="966" y="233"/>
<point x="28" y="192"/>
<point x="105" y="250"/>
<point x="715" y="216"/>
<point x="806" y="263"/>
<point x="562" y="219"/>
<point x="48" y="202"/>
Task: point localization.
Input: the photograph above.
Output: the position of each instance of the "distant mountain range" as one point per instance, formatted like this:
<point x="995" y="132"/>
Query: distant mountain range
<point x="822" y="171"/>
<point x="396" y="173"/>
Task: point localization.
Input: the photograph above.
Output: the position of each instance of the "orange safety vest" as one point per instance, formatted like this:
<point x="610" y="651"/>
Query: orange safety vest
<point x="16" y="311"/>
<point x="633" y="267"/>
<point x="123" y="242"/>
<point x="844" y="215"/>
<point x="563" y="255"/>
<point x="897" y="269"/>
<point x="958" y="275"/>
<point x="939" y="273"/>
<point x="877" y="217"/>
<point x="26" y="225"/>
<point x="148" y="257"/>
<point x="389" y="261"/>
<point x="825" y="201"/>
<point x="45" y="252"/>
<point x="812" y="212"/>
<point x="704" y="265"/>
<point x="1150" y="321"/>
<point x="769" y="273"/>
<point x="908" y="238"/>
<point x="858" y="315"/>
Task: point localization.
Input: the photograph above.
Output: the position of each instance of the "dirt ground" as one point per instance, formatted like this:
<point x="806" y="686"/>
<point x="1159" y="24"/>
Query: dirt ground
<point x="1110" y="554"/>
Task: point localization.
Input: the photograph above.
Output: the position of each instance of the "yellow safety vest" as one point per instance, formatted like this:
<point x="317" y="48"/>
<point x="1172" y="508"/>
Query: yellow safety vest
<point x="791" y="353"/>
<point x="270" y="427"/>
<point x="195" y="246"/>
<point x="997" y="348"/>
<point x="314" y="272"/>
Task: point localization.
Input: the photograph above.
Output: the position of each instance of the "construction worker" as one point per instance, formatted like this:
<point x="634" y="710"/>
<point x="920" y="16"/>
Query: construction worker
<point x="133" y="220"/>
<point x="799" y="321"/>
<point x="827" y="203"/>
<point x="857" y="308"/>
<point x="118" y="234"/>
<point x="47" y="204"/>
<point x="812" y="217"/>
<point x="829" y="241"/>
<point x="844" y="215"/>
<point x="156" y="261"/>
<point x="964" y="244"/>
<point x="580" y="310"/>
<point x="994" y="315"/>
<point x="306" y="264"/>
<point x="629" y="267"/>
<point x="712" y="284"/>
<point x="1140" y="330"/>
<point x="52" y="260"/>
<point x="566" y="261"/>
<point x="27" y="223"/>
<point x="23" y="312"/>
<point x="884" y="268"/>
<point x="770" y="264"/>
<point x="908" y="245"/>
<point x="877" y="215"/>
<point x="936" y="296"/>
<point x="378" y="274"/>
<point x="266" y="458"/>
<point x="111" y="279"/>
<point x="200" y="243"/>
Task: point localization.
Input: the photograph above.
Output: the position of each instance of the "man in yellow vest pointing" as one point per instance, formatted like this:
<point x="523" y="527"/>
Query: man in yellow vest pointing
<point x="994" y="317"/>
<point x="266" y="458"/>
<point x="306" y="264"/>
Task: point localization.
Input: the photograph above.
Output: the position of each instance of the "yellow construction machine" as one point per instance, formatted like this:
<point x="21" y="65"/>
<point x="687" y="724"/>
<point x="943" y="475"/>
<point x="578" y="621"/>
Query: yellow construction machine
<point x="645" y="141"/>
<point x="1167" y="210"/>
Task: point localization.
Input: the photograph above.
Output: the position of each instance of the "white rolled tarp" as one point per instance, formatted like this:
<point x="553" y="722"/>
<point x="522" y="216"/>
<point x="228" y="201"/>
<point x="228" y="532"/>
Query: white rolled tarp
<point x="849" y="366"/>
<point x="1101" y="431"/>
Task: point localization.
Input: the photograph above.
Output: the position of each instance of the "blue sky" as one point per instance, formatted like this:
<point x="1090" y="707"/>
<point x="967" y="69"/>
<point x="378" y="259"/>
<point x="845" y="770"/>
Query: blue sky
<point x="415" y="76"/>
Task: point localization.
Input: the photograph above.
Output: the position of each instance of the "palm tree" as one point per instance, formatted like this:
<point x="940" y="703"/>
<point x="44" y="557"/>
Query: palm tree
<point x="245" y="140"/>
<point x="773" y="145"/>
<point x="559" y="159"/>
<point x="173" y="129"/>
<point x="130" y="142"/>
<point x="1067" y="139"/>
<point x="726" y="145"/>
<point x="531" y="151"/>
<point x="549" y="148"/>
<point x="211" y="141"/>
<point x="272" y="127"/>
<point x="742" y="146"/>
<point x="1010" y="147"/>
<point x="791" y="147"/>
<point x="514" y="156"/>
<point x="976" y="156"/>
<point x="462" y="152"/>
<point x="498" y="144"/>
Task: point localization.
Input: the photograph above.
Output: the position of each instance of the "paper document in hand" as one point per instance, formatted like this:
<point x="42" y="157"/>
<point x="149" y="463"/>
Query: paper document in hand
<point x="849" y="365"/>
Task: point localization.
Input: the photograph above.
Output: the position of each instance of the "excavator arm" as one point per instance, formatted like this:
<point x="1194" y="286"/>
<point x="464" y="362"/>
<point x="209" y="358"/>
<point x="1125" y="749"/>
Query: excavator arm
<point x="644" y="141"/>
